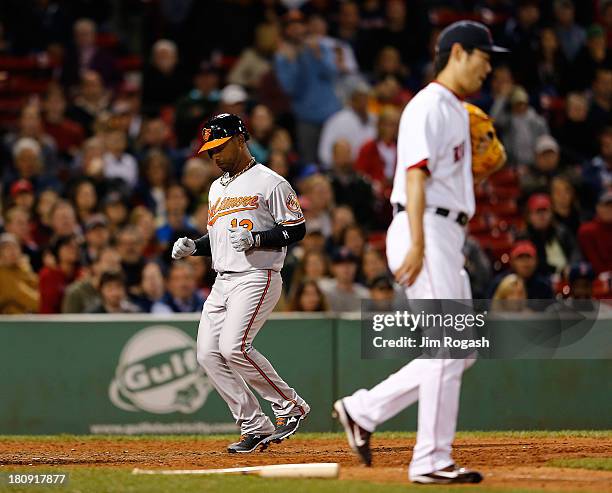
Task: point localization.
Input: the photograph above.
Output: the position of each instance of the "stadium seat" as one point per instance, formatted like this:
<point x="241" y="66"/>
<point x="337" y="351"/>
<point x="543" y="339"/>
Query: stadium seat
<point x="107" y="40"/>
<point x="129" y="63"/>
<point x="497" y="243"/>
<point x="511" y="223"/>
<point x="377" y="240"/>
<point x="501" y="208"/>
<point x="481" y="192"/>
<point x="11" y="105"/>
<point x="504" y="177"/>
<point x="443" y="16"/>
<point x="505" y="191"/>
<point x="479" y="225"/>
<point x="17" y="63"/>
<point x="167" y="114"/>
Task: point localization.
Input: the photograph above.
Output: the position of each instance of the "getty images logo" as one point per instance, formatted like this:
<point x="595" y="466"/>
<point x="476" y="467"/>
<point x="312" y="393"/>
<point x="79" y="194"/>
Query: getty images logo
<point x="158" y="373"/>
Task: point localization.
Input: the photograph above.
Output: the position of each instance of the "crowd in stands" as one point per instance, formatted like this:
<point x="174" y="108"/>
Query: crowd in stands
<point x="101" y="106"/>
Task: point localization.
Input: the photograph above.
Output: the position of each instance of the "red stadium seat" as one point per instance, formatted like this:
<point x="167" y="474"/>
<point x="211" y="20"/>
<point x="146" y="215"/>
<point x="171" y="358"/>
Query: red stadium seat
<point x="514" y="223"/>
<point x="553" y="108"/>
<point x="479" y="225"/>
<point x="129" y="63"/>
<point x="504" y="177"/>
<point x="443" y="16"/>
<point x="11" y="105"/>
<point x="17" y="85"/>
<point x="15" y="63"/>
<point x="502" y="208"/>
<point x="107" y="40"/>
<point x="482" y="203"/>
<point x="500" y="241"/>
<point x="167" y="113"/>
<point x="482" y="237"/>
<point x="481" y="191"/>
<point x="505" y="191"/>
<point x="497" y="243"/>
<point x="8" y="121"/>
<point x="378" y="240"/>
<point x="33" y="86"/>
<point x="227" y="62"/>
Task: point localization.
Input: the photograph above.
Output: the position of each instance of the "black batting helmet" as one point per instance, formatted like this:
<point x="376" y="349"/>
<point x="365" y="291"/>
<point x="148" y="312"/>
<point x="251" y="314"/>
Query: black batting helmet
<point x="221" y="128"/>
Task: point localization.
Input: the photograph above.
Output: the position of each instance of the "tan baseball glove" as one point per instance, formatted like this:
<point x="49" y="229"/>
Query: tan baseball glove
<point x="488" y="153"/>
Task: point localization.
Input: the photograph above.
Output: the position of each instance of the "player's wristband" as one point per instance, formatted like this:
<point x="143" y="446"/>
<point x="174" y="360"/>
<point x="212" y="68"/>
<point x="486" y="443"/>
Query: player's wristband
<point x="279" y="236"/>
<point x="202" y="248"/>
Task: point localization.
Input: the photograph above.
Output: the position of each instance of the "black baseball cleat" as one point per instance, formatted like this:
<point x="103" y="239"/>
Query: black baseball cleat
<point x="285" y="427"/>
<point x="448" y="475"/>
<point x="247" y="443"/>
<point x="358" y="438"/>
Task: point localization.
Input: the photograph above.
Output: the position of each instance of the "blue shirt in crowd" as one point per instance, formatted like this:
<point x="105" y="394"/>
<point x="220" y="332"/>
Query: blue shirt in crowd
<point x="309" y="82"/>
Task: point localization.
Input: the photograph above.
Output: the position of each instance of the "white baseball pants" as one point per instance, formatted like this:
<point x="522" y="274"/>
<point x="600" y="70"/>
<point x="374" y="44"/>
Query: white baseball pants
<point x="235" y="310"/>
<point x="435" y="383"/>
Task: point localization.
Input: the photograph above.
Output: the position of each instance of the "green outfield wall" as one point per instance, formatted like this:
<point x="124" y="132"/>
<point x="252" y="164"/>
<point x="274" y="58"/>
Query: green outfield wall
<point x="138" y="374"/>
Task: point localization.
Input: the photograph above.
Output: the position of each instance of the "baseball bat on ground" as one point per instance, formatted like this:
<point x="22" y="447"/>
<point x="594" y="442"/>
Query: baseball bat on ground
<point x="312" y="470"/>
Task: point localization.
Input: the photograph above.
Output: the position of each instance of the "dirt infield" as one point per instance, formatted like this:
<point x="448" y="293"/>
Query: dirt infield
<point x="506" y="461"/>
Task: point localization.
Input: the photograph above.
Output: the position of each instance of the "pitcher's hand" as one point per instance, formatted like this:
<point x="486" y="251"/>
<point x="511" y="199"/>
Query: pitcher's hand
<point x="411" y="267"/>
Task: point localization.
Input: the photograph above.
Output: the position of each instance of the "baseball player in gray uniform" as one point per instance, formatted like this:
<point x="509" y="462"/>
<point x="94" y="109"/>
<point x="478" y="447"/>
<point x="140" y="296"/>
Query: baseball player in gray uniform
<point x="253" y="216"/>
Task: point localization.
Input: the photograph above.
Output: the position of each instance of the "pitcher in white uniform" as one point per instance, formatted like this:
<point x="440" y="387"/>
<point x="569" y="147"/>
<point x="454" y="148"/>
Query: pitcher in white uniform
<point x="253" y="215"/>
<point x="433" y="199"/>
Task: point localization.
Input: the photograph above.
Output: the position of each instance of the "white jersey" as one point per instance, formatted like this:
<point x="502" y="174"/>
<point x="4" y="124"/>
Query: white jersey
<point x="434" y="134"/>
<point x="257" y="200"/>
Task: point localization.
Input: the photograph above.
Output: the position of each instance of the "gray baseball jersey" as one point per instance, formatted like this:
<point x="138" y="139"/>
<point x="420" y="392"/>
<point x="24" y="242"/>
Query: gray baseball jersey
<point x="257" y="200"/>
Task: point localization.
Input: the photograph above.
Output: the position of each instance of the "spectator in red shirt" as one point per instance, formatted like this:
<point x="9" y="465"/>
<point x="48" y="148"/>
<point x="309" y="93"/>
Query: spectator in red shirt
<point x="595" y="237"/>
<point x="55" y="278"/>
<point x="376" y="158"/>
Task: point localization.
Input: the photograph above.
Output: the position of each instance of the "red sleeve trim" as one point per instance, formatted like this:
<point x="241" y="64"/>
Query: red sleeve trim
<point x="422" y="165"/>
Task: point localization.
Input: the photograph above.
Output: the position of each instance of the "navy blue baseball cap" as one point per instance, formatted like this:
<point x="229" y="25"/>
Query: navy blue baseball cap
<point x="342" y="255"/>
<point x="468" y="34"/>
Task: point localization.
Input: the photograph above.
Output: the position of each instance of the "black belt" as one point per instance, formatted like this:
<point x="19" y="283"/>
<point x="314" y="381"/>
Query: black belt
<point x="462" y="217"/>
